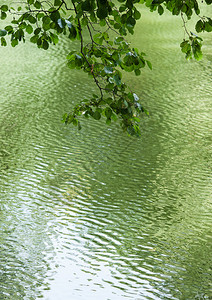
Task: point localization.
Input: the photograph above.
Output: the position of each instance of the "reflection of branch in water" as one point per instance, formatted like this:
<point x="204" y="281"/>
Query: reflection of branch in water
<point x="123" y="150"/>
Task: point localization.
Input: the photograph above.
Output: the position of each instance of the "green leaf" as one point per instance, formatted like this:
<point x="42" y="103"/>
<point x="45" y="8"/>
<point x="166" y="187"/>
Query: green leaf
<point x="69" y="119"/>
<point x="102" y="13"/>
<point x="45" y="45"/>
<point x="32" y="19"/>
<point x="108" y="112"/>
<point x="160" y="10"/>
<point x="102" y="23"/>
<point x="9" y="29"/>
<point x="72" y="33"/>
<point x="137" y="14"/>
<point x="108" y="121"/>
<point x="118" y="40"/>
<point x="93" y="17"/>
<point x="114" y="117"/>
<point x="208" y="26"/>
<point x="136" y="119"/>
<point x="210" y="21"/>
<point x="3" y="32"/>
<point x="46" y="27"/>
<point x="75" y="122"/>
<point x="23" y="25"/>
<point x="79" y="126"/>
<point x="29" y="29"/>
<point x="199" y="26"/>
<point x="129" y="4"/>
<point x="4" y="8"/>
<point x="146" y="112"/>
<point x="54" y="38"/>
<point x="39" y="42"/>
<point x="185" y="47"/>
<point x="14" y="42"/>
<point x="122" y="8"/>
<point x="137" y="72"/>
<point x="96" y="115"/>
<point x="37" y="31"/>
<point x="34" y="39"/>
<point x="46" y="20"/>
<point x="197" y="11"/>
<point x="149" y="64"/>
<point x="148" y="3"/>
<point x="37" y="4"/>
<point x="86" y="5"/>
<point x="184" y="8"/>
<point x="57" y="2"/>
<point x="126" y="103"/>
<point x="131" y="21"/>
<point x="3" y="15"/>
<point x="84" y="22"/>
<point x="55" y="16"/>
<point x="3" y="42"/>
<point x="197" y="54"/>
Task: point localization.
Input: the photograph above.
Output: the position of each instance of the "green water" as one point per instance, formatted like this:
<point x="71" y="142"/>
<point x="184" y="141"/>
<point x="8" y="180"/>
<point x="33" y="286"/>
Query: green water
<point x="96" y="214"/>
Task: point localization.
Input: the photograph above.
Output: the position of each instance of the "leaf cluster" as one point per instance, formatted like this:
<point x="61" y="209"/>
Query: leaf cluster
<point x="100" y="26"/>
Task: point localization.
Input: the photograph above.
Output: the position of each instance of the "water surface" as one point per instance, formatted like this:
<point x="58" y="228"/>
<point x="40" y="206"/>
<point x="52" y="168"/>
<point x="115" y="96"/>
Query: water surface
<point x="96" y="214"/>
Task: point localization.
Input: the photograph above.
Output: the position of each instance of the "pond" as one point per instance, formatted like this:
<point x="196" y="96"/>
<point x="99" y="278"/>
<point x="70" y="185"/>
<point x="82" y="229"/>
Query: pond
<point x="96" y="214"/>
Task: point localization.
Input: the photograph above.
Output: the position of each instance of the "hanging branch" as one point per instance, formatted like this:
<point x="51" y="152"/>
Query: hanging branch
<point x="105" y="57"/>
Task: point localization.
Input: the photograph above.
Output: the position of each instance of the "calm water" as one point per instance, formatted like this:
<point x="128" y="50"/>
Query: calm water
<point x="96" y="214"/>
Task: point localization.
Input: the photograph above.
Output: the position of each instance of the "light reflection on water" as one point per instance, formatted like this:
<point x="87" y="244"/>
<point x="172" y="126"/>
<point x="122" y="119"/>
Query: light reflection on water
<point x="96" y="214"/>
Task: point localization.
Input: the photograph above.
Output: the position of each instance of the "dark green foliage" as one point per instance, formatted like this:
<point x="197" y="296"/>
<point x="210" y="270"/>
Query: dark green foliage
<point x="199" y="26"/>
<point x="192" y="46"/>
<point x="205" y="24"/>
<point x="3" y="32"/>
<point x="3" y="42"/>
<point x="107" y="53"/>
<point x="4" y="8"/>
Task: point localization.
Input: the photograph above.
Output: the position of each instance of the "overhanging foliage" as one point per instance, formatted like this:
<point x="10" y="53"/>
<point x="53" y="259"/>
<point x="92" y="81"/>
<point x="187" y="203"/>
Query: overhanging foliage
<point x="104" y="57"/>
